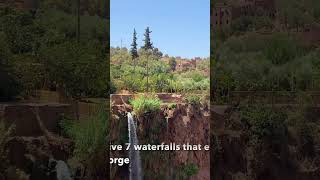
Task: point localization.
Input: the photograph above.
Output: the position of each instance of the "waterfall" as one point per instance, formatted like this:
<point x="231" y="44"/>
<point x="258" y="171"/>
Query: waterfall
<point x="60" y="168"/>
<point x="135" y="161"/>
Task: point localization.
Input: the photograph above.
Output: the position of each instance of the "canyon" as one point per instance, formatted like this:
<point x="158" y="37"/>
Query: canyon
<point x="182" y="124"/>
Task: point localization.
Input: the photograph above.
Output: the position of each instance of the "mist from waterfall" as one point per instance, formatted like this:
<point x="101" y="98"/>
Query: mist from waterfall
<point x="135" y="161"/>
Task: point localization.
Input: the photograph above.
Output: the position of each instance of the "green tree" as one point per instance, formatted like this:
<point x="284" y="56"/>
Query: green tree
<point x="134" y="50"/>
<point x="147" y="46"/>
<point x="172" y="64"/>
<point x="80" y="69"/>
<point x="147" y="40"/>
<point x="21" y="31"/>
<point x="157" y="53"/>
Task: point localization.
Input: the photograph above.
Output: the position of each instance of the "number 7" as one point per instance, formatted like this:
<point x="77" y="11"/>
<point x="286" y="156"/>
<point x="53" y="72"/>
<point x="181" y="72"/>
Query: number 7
<point x="128" y="146"/>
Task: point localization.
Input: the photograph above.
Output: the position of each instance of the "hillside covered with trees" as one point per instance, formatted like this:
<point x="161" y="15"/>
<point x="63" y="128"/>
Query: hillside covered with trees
<point x="146" y="69"/>
<point x="42" y="49"/>
<point x="60" y="47"/>
<point x="265" y="85"/>
<point x="262" y="53"/>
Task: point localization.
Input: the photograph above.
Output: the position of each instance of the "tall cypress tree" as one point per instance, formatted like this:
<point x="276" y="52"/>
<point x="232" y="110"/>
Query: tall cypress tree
<point x="147" y="40"/>
<point x="134" y="50"/>
<point x="147" y="46"/>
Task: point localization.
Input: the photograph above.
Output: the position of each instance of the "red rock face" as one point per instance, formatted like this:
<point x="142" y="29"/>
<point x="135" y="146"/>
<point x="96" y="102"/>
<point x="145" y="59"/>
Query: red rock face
<point x="180" y="125"/>
<point x="190" y="124"/>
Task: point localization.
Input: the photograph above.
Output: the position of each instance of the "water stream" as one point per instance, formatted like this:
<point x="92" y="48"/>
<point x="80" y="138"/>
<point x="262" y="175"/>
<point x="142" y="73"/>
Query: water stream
<point x="135" y="161"/>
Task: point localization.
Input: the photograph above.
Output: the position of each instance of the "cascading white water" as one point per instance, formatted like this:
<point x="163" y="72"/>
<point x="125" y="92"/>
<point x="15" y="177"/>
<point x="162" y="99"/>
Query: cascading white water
<point x="135" y="161"/>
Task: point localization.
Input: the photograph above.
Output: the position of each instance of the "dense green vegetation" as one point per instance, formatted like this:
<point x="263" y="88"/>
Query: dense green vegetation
<point x="257" y="53"/>
<point x="146" y="69"/>
<point x="264" y="123"/>
<point x="193" y="99"/>
<point x="265" y="58"/>
<point x="189" y="170"/>
<point x="43" y="48"/>
<point x="40" y="50"/>
<point x="90" y="141"/>
<point x="132" y="76"/>
<point x="9" y="86"/>
<point x="144" y="104"/>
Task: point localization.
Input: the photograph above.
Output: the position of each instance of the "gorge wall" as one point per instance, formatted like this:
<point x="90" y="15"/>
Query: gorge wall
<point x="32" y="141"/>
<point x="237" y="155"/>
<point x="181" y="124"/>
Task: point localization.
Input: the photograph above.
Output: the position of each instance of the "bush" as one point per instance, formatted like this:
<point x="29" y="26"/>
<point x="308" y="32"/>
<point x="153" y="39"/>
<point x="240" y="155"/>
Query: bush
<point x="241" y="24"/>
<point x="143" y="104"/>
<point x="193" y="99"/>
<point x="282" y="48"/>
<point x="29" y="73"/>
<point x="88" y="135"/>
<point x="172" y="105"/>
<point x="264" y="122"/>
<point x="189" y="170"/>
<point x="79" y="67"/>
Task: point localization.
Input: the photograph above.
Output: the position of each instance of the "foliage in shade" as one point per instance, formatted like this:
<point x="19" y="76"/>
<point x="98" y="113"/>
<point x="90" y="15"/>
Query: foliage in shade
<point x="190" y="170"/>
<point x="44" y="53"/>
<point x="264" y="123"/>
<point x="89" y="135"/>
<point x="9" y="87"/>
<point x="274" y="62"/>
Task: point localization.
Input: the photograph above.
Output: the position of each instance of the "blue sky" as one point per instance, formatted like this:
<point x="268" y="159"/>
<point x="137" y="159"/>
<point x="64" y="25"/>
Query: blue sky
<point x="179" y="27"/>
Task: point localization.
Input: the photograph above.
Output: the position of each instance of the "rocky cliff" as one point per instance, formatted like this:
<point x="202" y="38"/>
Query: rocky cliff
<point x="32" y="141"/>
<point x="180" y="124"/>
<point x="237" y="154"/>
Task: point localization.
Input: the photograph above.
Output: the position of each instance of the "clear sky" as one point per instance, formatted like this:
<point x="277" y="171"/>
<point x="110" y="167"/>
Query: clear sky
<point x="179" y="27"/>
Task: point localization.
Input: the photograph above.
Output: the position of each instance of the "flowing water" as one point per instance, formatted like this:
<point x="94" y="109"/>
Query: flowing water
<point x="63" y="172"/>
<point x="135" y="161"/>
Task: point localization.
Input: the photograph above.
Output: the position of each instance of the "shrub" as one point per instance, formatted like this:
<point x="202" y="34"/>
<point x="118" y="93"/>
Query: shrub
<point x="264" y="122"/>
<point x="29" y="73"/>
<point x="241" y="24"/>
<point x="197" y="77"/>
<point x="79" y="68"/>
<point x="172" y="105"/>
<point x="193" y="99"/>
<point x="281" y="48"/>
<point x="143" y="104"/>
<point x="189" y="170"/>
<point x="88" y="135"/>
